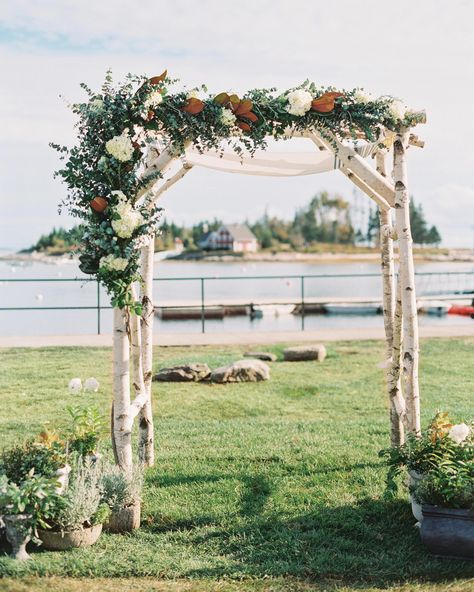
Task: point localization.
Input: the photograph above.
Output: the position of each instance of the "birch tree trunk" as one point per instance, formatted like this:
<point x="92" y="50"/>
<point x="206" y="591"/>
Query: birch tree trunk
<point x="146" y="452"/>
<point x="410" y="353"/>
<point x="392" y="333"/>
<point x="121" y="428"/>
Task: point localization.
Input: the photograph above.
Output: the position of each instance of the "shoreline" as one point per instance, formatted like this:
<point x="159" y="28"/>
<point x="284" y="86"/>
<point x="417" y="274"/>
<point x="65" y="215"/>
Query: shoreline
<point x="453" y="255"/>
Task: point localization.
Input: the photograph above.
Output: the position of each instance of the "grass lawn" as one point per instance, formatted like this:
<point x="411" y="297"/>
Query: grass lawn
<point x="270" y="486"/>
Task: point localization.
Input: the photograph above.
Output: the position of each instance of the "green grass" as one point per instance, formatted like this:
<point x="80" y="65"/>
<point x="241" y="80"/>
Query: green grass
<point x="269" y="486"/>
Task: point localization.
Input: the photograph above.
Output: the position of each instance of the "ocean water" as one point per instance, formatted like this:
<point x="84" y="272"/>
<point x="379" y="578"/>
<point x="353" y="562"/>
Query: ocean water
<point x="178" y="283"/>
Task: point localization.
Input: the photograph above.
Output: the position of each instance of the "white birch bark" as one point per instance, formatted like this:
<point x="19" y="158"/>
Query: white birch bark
<point x="410" y="353"/>
<point x="121" y="428"/>
<point x="146" y="451"/>
<point x="391" y="316"/>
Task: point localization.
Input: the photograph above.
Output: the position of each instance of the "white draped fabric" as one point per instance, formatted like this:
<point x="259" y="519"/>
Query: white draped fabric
<point x="277" y="164"/>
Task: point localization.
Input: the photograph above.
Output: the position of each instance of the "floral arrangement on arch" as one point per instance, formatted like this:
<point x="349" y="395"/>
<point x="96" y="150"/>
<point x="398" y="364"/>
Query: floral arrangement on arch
<point x="104" y="171"/>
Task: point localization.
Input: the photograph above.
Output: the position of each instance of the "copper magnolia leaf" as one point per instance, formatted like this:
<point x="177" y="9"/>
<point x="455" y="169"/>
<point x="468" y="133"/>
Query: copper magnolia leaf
<point x="150" y="115"/>
<point x="244" y="126"/>
<point x="158" y="79"/>
<point x="234" y="99"/>
<point x="244" y="107"/>
<point x="250" y="115"/>
<point x="325" y="103"/>
<point x="193" y="106"/>
<point x="99" y="204"/>
<point x="221" y="98"/>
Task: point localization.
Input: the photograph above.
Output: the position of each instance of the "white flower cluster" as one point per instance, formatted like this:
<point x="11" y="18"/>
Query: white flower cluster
<point x="397" y="109"/>
<point x="459" y="432"/>
<point x="113" y="263"/>
<point x="153" y="100"/>
<point x="362" y="97"/>
<point x="91" y="385"/>
<point x="129" y="220"/>
<point x="120" y="147"/>
<point x="193" y="94"/>
<point x="227" y="117"/>
<point x="299" y="102"/>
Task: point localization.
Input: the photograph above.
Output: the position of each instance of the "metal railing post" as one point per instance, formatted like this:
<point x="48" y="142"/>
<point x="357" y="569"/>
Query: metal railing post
<point x="203" y="310"/>
<point x="98" y="307"/>
<point x="302" y="302"/>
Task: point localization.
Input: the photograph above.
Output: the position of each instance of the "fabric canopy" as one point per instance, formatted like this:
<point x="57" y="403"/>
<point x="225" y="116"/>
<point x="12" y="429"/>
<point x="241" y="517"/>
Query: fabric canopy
<point x="277" y="164"/>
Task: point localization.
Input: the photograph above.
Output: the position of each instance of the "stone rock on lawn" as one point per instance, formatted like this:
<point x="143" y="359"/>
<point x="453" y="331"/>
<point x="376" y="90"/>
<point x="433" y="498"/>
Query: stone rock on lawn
<point x="302" y="353"/>
<point x="258" y="355"/>
<point x="184" y="373"/>
<point x="242" y="371"/>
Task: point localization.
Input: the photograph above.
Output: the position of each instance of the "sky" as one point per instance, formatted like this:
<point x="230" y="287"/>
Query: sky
<point x="421" y="52"/>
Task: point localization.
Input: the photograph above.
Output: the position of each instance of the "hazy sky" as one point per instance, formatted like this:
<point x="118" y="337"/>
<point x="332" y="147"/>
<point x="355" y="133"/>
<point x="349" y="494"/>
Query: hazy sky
<point x="421" y="51"/>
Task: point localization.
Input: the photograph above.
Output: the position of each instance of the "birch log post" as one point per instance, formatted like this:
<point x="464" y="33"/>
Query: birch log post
<point x="146" y="452"/>
<point x="121" y="430"/>
<point x="410" y="352"/>
<point x="392" y="333"/>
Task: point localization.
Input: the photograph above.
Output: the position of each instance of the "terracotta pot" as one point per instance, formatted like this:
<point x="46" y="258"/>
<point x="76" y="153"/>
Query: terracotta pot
<point x="413" y="479"/>
<point x="61" y="541"/>
<point x="125" y="520"/>
<point x="18" y="531"/>
<point x="448" y="532"/>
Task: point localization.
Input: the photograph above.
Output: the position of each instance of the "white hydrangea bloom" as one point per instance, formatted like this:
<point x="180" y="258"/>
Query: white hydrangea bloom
<point x="120" y="147"/>
<point x="113" y="263"/>
<point x="154" y="99"/>
<point x="397" y="109"/>
<point x="362" y="97"/>
<point x="91" y="385"/>
<point x="129" y="220"/>
<point x="75" y="386"/>
<point x="227" y="117"/>
<point x="299" y="102"/>
<point x="459" y="432"/>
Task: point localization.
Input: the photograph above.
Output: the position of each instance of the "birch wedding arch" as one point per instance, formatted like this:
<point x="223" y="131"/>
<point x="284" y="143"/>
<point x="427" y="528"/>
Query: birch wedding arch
<point x="137" y="139"/>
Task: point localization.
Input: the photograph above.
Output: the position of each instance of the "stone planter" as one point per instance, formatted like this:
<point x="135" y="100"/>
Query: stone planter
<point x="61" y="541"/>
<point x="125" y="520"/>
<point x="413" y="479"/>
<point x="448" y="532"/>
<point x="62" y="477"/>
<point x="18" y="531"/>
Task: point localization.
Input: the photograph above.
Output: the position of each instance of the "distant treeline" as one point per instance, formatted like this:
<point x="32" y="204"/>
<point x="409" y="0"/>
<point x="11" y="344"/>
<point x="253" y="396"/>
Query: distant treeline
<point x="326" y="219"/>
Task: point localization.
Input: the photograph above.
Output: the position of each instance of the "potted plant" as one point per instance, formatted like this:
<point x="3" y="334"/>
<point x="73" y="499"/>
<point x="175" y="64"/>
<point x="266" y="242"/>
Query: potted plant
<point x="46" y="455"/>
<point x="78" y="523"/>
<point x="85" y="432"/>
<point x="26" y="507"/>
<point x="121" y="492"/>
<point x="441" y="441"/>
<point x="447" y="498"/>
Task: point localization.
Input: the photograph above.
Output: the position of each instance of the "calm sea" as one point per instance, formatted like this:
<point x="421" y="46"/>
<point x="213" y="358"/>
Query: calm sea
<point x="39" y="295"/>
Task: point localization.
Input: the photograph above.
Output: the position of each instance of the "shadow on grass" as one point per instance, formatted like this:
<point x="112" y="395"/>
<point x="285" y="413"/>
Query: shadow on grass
<point x="370" y="542"/>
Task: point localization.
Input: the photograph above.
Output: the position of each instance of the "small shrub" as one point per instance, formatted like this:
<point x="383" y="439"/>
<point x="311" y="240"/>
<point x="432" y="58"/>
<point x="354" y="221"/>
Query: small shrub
<point x="45" y="458"/>
<point x="121" y="489"/>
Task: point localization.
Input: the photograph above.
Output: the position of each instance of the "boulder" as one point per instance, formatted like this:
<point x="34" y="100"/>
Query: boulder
<point x="303" y="353"/>
<point x="242" y="371"/>
<point x="184" y="373"/>
<point x="258" y="355"/>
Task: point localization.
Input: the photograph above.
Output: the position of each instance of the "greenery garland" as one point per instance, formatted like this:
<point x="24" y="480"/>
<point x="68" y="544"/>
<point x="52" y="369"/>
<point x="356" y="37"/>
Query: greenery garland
<point x="115" y="126"/>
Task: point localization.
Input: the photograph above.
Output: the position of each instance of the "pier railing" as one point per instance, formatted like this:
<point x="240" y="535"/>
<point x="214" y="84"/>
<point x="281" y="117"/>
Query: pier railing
<point x="456" y="284"/>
